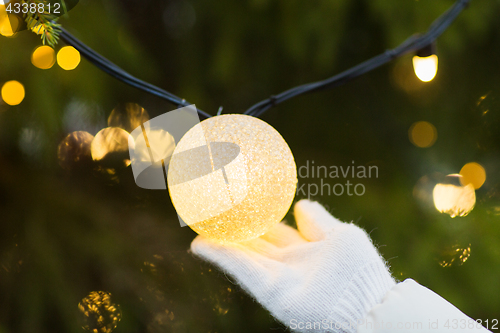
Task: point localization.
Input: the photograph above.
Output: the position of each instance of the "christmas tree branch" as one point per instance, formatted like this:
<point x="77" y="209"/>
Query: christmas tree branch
<point x="107" y="66"/>
<point x="43" y="22"/>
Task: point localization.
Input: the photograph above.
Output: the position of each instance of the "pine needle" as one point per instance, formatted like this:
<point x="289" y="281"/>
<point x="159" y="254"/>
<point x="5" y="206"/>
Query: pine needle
<point x="45" y="24"/>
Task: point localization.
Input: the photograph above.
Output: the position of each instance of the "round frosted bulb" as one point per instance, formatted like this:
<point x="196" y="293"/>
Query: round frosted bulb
<point x="232" y="177"/>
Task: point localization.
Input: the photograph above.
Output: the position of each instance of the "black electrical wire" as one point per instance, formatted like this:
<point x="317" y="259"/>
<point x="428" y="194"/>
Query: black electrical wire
<point x="412" y="44"/>
<point x="107" y="66"/>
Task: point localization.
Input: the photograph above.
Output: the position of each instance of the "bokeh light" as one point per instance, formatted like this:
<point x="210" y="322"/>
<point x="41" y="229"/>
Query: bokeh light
<point x="422" y="134"/>
<point x="111" y="143"/>
<point x="473" y="173"/>
<point x="161" y="322"/>
<point x="425" y="67"/>
<point x="9" y="24"/>
<point x="422" y="191"/>
<point x="100" y="314"/>
<point x="74" y="150"/>
<point x="38" y="29"/>
<point x="13" y="92"/>
<point x="68" y="58"/>
<point x="456" y="255"/>
<point x="155" y="146"/>
<point x="453" y="199"/>
<point x="128" y="116"/>
<point x="32" y="141"/>
<point x="43" y="57"/>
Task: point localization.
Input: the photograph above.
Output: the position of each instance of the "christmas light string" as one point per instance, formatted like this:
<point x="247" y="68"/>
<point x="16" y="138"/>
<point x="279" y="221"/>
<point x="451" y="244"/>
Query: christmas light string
<point x="107" y="66"/>
<point x="411" y="45"/>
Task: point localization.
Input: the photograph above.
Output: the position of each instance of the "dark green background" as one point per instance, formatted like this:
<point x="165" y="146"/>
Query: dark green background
<point x="63" y="235"/>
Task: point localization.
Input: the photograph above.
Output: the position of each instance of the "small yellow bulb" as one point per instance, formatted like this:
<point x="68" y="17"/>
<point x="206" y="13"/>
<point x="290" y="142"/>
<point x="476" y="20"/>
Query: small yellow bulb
<point x="425" y="67"/>
<point x="454" y="200"/>
<point x="68" y="58"/>
<point x="13" y="92"/>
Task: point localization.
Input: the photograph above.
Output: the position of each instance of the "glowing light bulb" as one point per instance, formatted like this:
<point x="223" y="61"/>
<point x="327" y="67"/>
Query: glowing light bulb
<point x="453" y="199"/>
<point x="425" y="67"/>
<point x="232" y="177"/>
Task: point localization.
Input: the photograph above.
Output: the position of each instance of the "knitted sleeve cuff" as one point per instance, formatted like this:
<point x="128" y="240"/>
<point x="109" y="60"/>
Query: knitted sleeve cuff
<point x="410" y="308"/>
<point x="366" y="290"/>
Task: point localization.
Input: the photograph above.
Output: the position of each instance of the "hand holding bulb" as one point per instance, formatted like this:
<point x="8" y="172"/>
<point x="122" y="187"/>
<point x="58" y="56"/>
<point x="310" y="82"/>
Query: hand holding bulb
<point x="326" y="269"/>
<point x="326" y="276"/>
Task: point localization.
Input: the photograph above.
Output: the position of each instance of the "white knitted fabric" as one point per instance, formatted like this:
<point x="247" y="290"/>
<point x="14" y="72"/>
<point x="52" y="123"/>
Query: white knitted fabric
<point x="325" y="277"/>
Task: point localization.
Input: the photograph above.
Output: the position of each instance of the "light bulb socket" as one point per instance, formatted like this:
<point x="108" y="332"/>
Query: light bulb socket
<point x="427" y="51"/>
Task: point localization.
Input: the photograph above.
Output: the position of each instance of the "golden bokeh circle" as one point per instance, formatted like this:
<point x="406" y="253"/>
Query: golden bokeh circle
<point x="473" y="173"/>
<point x="9" y="25"/>
<point x="111" y="143"/>
<point x="248" y="186"/>
<point x="43" y="57"/>
<point x="68" y="58"/>
<point x="128" y="116"/>
<point x="13" y="92"/>
<point x="422" y="134"/>
<point x="74" y="150"/>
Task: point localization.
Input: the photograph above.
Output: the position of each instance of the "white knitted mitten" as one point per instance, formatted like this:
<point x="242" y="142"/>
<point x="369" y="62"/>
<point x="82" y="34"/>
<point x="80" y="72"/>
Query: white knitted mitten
<point x="325" y="277"/>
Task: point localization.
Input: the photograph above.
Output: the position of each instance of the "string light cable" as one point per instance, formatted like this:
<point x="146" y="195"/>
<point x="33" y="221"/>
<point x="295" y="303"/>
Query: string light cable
<point x="412" y="44"/>
<point x="108" y="67"/>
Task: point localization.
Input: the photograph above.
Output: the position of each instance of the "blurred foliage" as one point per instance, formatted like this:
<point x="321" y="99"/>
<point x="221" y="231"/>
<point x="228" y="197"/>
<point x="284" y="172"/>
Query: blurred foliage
<point x="65" y="234"/>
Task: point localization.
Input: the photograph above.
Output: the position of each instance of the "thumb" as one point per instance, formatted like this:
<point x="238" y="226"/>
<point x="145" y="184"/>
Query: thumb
<point x="313" y="221"/>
